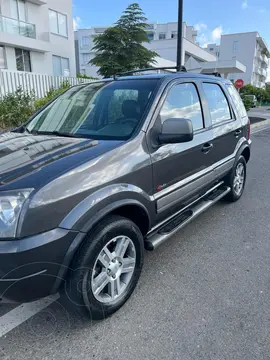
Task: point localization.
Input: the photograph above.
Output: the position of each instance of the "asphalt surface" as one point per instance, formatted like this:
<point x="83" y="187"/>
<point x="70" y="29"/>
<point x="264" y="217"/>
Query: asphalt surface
<point x="259" y="114"/>
<point x="203" y="295"/>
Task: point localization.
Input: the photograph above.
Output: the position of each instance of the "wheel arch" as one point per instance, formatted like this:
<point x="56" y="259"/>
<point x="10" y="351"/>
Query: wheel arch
<point x="246" y="153"/>
<point x="129" y="208"/>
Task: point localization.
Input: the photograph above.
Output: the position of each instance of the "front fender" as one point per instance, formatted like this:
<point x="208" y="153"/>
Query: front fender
<point x="97" y="205"/>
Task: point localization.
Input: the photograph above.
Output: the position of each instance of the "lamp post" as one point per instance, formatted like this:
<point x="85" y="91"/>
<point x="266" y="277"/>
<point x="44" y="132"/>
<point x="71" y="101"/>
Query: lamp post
<point x="179" y="36"/>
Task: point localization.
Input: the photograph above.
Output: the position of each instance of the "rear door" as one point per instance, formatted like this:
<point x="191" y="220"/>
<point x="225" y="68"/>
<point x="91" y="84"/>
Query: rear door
<point x="181" y="170"/>
<point x="226" y="128"/>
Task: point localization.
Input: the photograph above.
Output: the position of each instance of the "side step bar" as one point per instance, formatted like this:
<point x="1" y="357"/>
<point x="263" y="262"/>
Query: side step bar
<point x="185" y="218"/>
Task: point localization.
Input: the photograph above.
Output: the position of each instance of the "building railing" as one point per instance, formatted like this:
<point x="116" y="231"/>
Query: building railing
<point x="17" y="27"/>
<point x="259" y="56"/>
<point x="264" y="73"/>
<point x="40" y="84"/>
<point x="258" y="70"/>
<point x="265" y="59"/>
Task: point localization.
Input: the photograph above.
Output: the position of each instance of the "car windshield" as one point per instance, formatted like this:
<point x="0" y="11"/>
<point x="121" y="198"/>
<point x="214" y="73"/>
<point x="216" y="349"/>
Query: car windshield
<point x="100" y="110"/>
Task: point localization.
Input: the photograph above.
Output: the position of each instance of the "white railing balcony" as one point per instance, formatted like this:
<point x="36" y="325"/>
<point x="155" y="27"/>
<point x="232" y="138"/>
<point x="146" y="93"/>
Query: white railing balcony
<point x="264" y="73"/>
<point x="259" y="56"/>
<point x="265" y="59"/>
<point x="17" y="27"/>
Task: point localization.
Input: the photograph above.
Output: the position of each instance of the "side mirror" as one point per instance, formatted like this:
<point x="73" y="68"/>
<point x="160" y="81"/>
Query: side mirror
<point x="176" y="130"/>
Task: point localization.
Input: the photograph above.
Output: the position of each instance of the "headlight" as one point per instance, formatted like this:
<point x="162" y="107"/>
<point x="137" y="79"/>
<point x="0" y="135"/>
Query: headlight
<point x="11" y="203"/>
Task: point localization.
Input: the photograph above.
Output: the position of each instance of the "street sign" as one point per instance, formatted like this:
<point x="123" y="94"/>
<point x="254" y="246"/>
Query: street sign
<point x="239" y="83"/>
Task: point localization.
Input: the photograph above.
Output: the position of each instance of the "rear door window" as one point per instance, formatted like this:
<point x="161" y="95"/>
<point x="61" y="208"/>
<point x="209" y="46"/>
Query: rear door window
<point x="217" y="102"/>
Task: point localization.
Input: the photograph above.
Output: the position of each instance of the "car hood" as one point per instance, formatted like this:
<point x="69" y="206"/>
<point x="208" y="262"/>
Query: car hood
<point x="25" y="154"/>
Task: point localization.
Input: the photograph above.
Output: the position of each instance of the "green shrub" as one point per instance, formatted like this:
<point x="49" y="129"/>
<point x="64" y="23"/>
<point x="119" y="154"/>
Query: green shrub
<point x="247" y="102"/>
<point x="16" y="108"/>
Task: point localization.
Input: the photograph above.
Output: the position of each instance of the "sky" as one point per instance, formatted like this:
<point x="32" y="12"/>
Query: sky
<point x="210" y="17"/>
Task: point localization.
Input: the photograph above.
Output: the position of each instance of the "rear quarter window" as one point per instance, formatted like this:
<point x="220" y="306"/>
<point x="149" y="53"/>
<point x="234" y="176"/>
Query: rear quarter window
<point x="236" y="99"/>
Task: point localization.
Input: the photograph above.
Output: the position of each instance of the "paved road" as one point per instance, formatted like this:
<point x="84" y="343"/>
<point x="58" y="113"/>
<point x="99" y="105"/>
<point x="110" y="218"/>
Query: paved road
<point x="203" y="295"/>
<point x="260" y="112"/>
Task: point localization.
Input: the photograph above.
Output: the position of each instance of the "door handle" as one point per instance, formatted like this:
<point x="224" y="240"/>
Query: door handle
<point x="207" y="147"/>
<point x="237" y="132"/>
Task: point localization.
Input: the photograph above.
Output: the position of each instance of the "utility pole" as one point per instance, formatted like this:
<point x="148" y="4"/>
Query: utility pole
<point x="179" y="36"/>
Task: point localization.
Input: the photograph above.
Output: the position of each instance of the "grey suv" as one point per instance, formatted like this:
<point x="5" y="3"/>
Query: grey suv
<point x="110" y="168"/>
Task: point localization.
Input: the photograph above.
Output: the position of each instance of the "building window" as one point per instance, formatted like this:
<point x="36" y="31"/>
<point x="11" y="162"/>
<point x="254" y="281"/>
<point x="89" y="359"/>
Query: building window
<point x="235" y="45"/>
<point x="85" y="41"/>
<point x="183" y="102"/>
<point x="86" y="58"/>
<point x="58" y="23"/>
<point x="162" y="36"/>
<point x="2" y="58"/>
<point x="150" y="36"/>
<point x="23" y="60"/>
<point x="18" y="10"/>
<point x="174" y="35"/>
<point x="211" y="49"/>
<point x="61" y="66"/>
<point x="217" y="102"/>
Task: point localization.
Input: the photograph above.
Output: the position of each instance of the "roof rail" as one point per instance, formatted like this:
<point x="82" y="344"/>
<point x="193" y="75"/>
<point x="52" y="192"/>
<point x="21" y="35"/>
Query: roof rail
<point x="183" y="69"/>
<point x="217" y="74"/>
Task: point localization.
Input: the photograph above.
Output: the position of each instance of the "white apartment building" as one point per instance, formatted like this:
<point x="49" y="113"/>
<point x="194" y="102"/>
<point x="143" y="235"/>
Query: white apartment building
<point x="163" y="40"/>
<point x="249" y="49"/>
<point x="37" y="36"/>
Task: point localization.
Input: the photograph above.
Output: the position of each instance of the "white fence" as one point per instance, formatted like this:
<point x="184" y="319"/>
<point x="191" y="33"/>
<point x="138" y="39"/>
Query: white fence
<point x="10" y="81"/>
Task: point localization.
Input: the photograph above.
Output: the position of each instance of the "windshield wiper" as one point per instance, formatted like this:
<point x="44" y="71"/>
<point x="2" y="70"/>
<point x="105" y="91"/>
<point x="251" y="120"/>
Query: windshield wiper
<point x="56" y="133"/>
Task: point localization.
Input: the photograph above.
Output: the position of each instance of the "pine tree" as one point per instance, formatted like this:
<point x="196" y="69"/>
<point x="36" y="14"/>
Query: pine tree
<point x="120" y="47"/>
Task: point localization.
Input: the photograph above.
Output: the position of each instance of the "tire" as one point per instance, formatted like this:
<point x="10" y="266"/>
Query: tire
<point x="230" y="180"/>
<point x="88" y="272"/>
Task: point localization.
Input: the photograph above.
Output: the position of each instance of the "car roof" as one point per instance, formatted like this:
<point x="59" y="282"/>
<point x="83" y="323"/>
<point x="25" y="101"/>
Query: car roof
<point x="165" y="76"/>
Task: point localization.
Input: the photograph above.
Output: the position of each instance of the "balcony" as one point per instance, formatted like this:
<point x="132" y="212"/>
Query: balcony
<point x="265" y="59"/>
<point x="20" y="34"/>
<point x="17" y="27"/>
<point x="263" y="73"/>
<point x="259" y="56"/>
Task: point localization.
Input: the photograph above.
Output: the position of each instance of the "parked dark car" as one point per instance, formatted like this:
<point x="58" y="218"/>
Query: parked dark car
<point x="110" y="168"/>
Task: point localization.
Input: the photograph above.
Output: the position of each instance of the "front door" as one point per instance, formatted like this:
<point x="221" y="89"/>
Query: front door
<point x="181" y="170"/>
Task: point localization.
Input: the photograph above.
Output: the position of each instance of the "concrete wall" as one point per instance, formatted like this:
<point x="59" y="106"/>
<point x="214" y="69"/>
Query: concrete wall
<point x="45" y="45"/>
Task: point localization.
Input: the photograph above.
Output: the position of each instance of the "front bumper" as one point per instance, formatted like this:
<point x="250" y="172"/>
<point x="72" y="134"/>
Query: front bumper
<point x="30" y="267"/>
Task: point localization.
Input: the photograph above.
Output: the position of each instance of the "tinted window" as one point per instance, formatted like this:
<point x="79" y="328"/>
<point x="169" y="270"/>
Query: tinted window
<point x="116" y="103"/>
<point x="101" y="110"/>
<point x="218" y="104"/>
<point x="183" y="102"/>
<point x="237" y="101"/>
